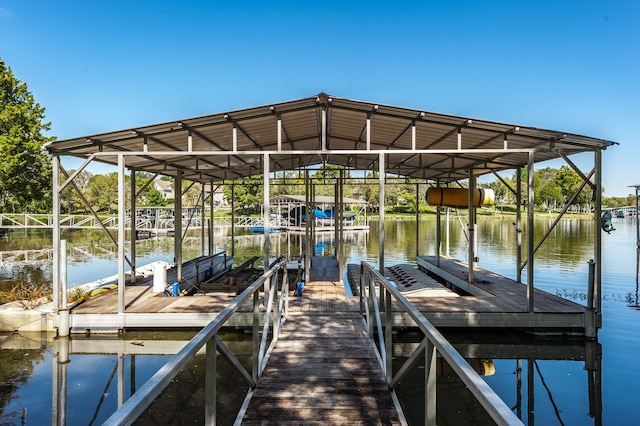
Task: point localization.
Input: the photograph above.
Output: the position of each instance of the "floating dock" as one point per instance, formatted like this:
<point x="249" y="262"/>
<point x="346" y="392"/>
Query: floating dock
<point x="441" y="293"/>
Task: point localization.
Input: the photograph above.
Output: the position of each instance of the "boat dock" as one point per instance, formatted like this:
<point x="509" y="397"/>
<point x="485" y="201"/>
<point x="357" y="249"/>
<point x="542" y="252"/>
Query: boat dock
<point x="441" y="294"/>
<point x="146" y="309"/>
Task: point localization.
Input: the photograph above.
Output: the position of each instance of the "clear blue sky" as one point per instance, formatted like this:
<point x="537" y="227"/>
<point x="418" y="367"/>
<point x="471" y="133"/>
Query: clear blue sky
<point x="572" y="66"/>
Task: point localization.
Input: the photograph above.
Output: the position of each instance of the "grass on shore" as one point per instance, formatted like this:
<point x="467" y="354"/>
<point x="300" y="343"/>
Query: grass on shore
<point x="30" y="295"/>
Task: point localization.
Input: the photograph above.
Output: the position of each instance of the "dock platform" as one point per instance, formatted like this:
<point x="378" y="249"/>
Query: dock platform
<point x="146" y="309"/>
<point x="491" y="301"/>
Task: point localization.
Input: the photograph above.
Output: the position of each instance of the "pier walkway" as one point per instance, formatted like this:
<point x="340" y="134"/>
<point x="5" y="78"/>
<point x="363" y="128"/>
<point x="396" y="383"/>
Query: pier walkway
<point x="323" y="370"/>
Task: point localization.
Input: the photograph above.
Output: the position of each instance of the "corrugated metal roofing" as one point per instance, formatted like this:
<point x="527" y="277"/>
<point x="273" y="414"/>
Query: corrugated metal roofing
<point x="324" y="128"/>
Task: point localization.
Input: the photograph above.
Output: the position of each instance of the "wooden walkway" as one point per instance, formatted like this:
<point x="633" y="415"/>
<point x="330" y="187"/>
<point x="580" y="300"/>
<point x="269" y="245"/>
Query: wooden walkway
<point x="323" y="370"/>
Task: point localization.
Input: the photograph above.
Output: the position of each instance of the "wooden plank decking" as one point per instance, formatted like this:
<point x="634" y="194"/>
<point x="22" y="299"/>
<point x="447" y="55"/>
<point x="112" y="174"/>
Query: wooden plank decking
<point x="143" y="308"/>
<point x="495" y="300"/>
<point x="499" y="293"/>
<point x="498" y="302"/>
<point x="323" y="370"/>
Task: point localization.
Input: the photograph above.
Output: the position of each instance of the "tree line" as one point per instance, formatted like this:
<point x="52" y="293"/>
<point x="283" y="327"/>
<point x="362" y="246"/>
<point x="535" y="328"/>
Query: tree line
<point x="26" y="173"/>
<point x="554" y="189"/>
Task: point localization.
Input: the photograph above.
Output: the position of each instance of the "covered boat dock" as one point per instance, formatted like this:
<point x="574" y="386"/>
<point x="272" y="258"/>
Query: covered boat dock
<point x="372" y="139"/>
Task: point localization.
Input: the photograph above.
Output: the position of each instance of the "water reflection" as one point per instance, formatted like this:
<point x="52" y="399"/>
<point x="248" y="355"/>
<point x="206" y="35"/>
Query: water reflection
<point x="84" y="379"/>
<point x="633" y="298"/>
<point x="545" y="380"/>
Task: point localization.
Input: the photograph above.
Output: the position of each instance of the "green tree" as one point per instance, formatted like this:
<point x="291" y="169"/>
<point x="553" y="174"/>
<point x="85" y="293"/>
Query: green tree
<point x="524" y="182"/>
<point x="326" y="177"/>
<point x="287" y="183"/>
<point x="25" y="170"/>
<point x="70" y="200"/>
<point x="569" y="181"/>
<point x="371" y="192"/>
<point x="153" y="197"/>
<point x="247" y="194"/>
<point x="191" y="192"/>
<point x="103" y="192"/>
<point x="551" y="194"/>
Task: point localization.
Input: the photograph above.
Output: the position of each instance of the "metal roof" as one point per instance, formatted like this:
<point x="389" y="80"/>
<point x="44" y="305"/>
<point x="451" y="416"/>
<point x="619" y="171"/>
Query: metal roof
<point x="323" y="128"/>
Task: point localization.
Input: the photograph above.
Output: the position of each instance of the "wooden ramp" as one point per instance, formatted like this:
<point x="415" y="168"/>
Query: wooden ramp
<point x="324" y="268"/>
<point x="323" y="370"/>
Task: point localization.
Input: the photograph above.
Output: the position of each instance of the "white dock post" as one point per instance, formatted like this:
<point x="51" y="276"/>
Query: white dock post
<point x="63" y="312"/>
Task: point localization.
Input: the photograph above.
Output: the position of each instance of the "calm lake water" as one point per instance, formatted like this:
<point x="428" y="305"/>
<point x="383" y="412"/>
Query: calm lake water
<point x="550" y="380"/>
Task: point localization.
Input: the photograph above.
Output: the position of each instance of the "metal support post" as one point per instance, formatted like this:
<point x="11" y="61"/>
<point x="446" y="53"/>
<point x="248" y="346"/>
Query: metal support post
<point x="381" y="203"/>
<point x="211" y="221"/>
<point x="597" y="240"/>
<point x="177" y="220"/>
<point x="121" y="234"/>
<point x="518" y="224"/>
<point x="132" y="203"/>
<point x="265" y="216"/>
<point x="530" y="245"/>
<point x="388" y="335"/>
<point x="368" y="132"/>
<point x="56" y="235"/>
<point x="324" y="128"/>
<point x="471" y="226"/>
<point x="202" y="219"/>
<point x="637" y="218"/>
<point x="417" y="212"/>
<point x="210" y="384"/>
<point x="439" y="232"/>
<point x="308" y="252"/>
<point x="63" y="321"/>
<point x="430" y="384"/>
<point x="279" y="133"/>
<point x="233" y="219"/>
